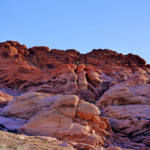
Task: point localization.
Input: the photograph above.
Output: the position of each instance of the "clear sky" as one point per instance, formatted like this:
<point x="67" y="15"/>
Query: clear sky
<point x="119" y="25"/>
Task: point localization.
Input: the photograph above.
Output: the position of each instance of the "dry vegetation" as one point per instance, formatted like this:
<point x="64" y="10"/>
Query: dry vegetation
<point x="10" y="141"/>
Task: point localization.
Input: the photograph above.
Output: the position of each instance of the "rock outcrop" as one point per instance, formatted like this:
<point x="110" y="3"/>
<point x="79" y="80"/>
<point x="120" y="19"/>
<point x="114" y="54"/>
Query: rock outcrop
<point x="4" y="99"/>
<point x="62" y="116"/>
<point x="127" y="105"/>
<point x="57" y="93"/>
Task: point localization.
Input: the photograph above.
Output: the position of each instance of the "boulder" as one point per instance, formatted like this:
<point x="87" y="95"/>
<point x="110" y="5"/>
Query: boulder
<point x="61" y="116"/>
<point x="67" y="84"/>
<point x="128" y="108"/>
<point x="4" y="99"/>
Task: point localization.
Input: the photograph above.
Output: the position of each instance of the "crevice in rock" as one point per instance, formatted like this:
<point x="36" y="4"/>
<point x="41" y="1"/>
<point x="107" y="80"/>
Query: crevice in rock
<point x="77" y="79"/>
<point x="76" y="109"/>
<point x="15" y="84"/>
<point x="3" y="104"/>
<point x="2" y="127"/>
<point x="2" y="78"/>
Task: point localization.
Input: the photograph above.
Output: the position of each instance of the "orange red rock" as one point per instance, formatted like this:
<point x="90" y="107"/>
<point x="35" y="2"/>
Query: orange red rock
<point x="58" y="87"/>
<point x="60" y="116"/>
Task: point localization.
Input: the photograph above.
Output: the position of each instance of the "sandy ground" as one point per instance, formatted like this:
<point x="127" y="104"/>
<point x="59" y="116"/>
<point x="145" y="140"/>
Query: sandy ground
<point x="10" y="141"/>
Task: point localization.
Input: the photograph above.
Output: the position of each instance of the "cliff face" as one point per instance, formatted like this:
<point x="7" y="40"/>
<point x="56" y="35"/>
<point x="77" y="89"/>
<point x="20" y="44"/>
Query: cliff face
<point x="65" y="83"/>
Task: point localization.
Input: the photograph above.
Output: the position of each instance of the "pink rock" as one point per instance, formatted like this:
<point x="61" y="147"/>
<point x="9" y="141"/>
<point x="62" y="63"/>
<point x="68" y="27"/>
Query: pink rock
<point x="60" y="116"/>
<point x="57" y="83"/>
<point x="67" y="104"/>
<point x="86" y="110"/>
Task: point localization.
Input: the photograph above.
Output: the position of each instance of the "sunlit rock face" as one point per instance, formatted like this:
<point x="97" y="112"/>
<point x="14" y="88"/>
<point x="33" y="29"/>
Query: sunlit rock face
<point x="62" y="116"/>
<point x="127" y="105"/>
<point x="73" y="96"/>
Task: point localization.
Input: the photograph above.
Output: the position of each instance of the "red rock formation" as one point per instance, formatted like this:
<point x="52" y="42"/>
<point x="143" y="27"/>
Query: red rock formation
<point x="4" y="99"/>
<point x="118" y="84"/>
<point x="60" y="116"/>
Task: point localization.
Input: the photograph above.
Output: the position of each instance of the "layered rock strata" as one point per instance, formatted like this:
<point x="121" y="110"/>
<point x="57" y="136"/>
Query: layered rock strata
<point x="118" y="84"/>
<point x="62" y="116"/>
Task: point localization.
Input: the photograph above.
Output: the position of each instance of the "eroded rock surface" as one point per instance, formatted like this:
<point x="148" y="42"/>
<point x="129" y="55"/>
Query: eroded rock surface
<point x="62" y="116"/>
<point x="4" y="99"/>
<point x="127" y="105"/>
<point x="55" y="89"/>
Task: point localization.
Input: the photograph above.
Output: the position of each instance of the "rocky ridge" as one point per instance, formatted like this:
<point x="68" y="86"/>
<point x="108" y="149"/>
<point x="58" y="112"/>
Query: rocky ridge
<point x="57" y="93"/>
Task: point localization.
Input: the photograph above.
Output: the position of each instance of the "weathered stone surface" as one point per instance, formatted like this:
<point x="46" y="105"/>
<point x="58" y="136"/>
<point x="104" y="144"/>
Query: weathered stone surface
<point x="60" y="116"/>
<point x="67" y="104"/>
<point x="11" y="124"/>
<point x="4" y="99"/>
<point x="127" y="105"/>
<point x="26" y="105"/>
<point x="87" y="111"/>
<point x="59" y="82"/>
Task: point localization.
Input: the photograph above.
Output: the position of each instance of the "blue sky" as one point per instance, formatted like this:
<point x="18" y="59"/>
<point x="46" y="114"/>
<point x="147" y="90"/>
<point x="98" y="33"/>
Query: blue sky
<point x="119" y="25"/>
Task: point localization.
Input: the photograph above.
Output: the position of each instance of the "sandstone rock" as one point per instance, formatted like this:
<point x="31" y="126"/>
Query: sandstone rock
<point x="67" y="104"/>
<point x="60" y="116"/>
<point x="122" y="94"/>
<point x="4" y="99"/>
<point x="128" y="109"/>
<point x="87" y="111"/>
<point x="63" y="81"/>
<point x="146" y="141"/>
<point x="11" y="124"/>
<point x="26" y="105"/>
<point x="50" y="122"/>
<point x="81" y="145"/>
